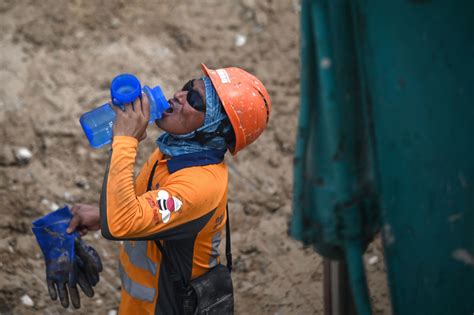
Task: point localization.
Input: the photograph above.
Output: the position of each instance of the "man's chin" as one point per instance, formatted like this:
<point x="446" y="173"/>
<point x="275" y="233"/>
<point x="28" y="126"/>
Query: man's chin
<point x="162" y="125"/>
<point x="158" y="123"/>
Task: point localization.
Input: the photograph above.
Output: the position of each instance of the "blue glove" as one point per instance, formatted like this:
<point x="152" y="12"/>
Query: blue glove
<point x="69" y="260"/>
<point x="59" y="255"/>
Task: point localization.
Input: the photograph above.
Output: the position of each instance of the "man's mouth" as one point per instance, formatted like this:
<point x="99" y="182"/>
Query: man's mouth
<point x="170" y="109"/>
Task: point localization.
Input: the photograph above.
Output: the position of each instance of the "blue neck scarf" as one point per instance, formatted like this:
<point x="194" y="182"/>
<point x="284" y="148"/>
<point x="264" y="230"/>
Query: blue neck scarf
<point x="176" y="145"/>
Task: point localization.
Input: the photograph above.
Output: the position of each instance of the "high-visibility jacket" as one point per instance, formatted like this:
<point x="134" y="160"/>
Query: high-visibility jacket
<point x="184" y="210"/>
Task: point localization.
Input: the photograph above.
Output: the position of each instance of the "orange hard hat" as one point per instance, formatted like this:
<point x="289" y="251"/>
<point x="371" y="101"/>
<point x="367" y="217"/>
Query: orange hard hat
<point x="245" y="100"/>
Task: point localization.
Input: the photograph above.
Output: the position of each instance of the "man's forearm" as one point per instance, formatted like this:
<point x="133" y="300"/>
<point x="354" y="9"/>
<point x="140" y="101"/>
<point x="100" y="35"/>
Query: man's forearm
<point x="119" y="202"/>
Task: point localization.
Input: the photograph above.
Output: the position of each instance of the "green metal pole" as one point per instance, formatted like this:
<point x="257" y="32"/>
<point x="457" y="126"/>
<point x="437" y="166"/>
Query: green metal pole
<point x="357" y="279"/>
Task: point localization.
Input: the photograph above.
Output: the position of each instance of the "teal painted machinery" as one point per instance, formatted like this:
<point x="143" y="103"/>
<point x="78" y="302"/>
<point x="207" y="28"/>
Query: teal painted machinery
<point x="385" y="142"/>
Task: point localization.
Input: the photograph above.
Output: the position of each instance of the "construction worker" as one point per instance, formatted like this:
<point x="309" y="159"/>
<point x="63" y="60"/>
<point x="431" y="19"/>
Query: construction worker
<point x="176" y="206"/>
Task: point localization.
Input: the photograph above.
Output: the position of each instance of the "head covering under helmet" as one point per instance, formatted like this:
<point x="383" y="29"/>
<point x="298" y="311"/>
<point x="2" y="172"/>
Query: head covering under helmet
<point x="211" y="136"/>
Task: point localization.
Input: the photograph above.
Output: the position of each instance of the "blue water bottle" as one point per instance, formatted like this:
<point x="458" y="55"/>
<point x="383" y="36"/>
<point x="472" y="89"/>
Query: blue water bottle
<point x="124" y="89"/>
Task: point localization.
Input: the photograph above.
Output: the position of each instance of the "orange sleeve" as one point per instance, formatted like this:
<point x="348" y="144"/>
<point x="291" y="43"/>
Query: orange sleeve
<point x="176" y="210"/>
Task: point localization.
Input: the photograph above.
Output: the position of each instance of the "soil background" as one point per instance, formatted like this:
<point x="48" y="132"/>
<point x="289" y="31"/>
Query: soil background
<point x="57" y="59"/>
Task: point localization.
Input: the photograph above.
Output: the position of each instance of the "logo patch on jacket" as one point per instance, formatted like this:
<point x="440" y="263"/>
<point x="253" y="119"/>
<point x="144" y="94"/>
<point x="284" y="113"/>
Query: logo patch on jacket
<point x="167" y="204"/>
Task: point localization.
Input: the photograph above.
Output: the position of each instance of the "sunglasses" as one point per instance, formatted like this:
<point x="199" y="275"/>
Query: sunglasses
<point x="193" y="97"/>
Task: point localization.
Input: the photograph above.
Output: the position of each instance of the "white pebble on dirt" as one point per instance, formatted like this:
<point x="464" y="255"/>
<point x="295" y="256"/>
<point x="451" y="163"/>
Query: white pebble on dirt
<point x="67" y="195"/>
<point x="50" y="204"/>
<point x="115" y="22"/>
<point x="112" y="312"/>
<point x="240" y="40"/>
<point x="23" y="154"/>
<point x="26" y="300"/>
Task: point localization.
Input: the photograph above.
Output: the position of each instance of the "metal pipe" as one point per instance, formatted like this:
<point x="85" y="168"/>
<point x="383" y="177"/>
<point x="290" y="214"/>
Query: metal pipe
<point x="355" y="265"/>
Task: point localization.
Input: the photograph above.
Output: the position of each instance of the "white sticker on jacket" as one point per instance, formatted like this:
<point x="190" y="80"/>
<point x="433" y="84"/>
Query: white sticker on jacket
<point x="167" y="204"/>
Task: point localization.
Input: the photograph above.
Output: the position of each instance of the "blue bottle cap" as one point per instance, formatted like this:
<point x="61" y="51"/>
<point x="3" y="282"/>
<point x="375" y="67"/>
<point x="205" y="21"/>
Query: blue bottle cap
<point x="158" y="102"/>
<point x="124" y="89"/>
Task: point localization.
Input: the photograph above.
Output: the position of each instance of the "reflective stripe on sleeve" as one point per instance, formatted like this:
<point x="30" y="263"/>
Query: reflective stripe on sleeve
<point x="134" y="289"/>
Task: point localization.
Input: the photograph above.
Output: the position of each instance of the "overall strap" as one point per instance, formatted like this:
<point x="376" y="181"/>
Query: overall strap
<point x="174" y="275"/>
<point x="152" y="174"/>
<point x="228" y="249"/>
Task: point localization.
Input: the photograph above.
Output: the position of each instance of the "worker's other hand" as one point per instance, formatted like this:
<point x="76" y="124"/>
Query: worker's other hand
<point x="85" y="218"/>
<point x="133" y="120"/>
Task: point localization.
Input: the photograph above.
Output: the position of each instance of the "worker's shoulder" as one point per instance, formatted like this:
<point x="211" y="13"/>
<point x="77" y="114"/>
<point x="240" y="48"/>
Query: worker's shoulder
<point x="216" y="173"/>
<point x="210" y="170"/>
<point x="198" y="184"/>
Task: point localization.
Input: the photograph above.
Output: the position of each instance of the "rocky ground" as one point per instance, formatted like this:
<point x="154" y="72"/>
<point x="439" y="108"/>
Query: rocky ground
<point x="57" y="60"/>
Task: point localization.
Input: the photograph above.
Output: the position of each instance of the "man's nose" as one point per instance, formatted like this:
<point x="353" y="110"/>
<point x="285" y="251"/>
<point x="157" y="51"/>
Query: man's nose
<point x="180" y="96"/>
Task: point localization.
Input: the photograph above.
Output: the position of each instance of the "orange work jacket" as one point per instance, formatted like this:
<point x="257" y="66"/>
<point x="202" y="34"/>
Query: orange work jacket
<point x="184" y="210"/>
